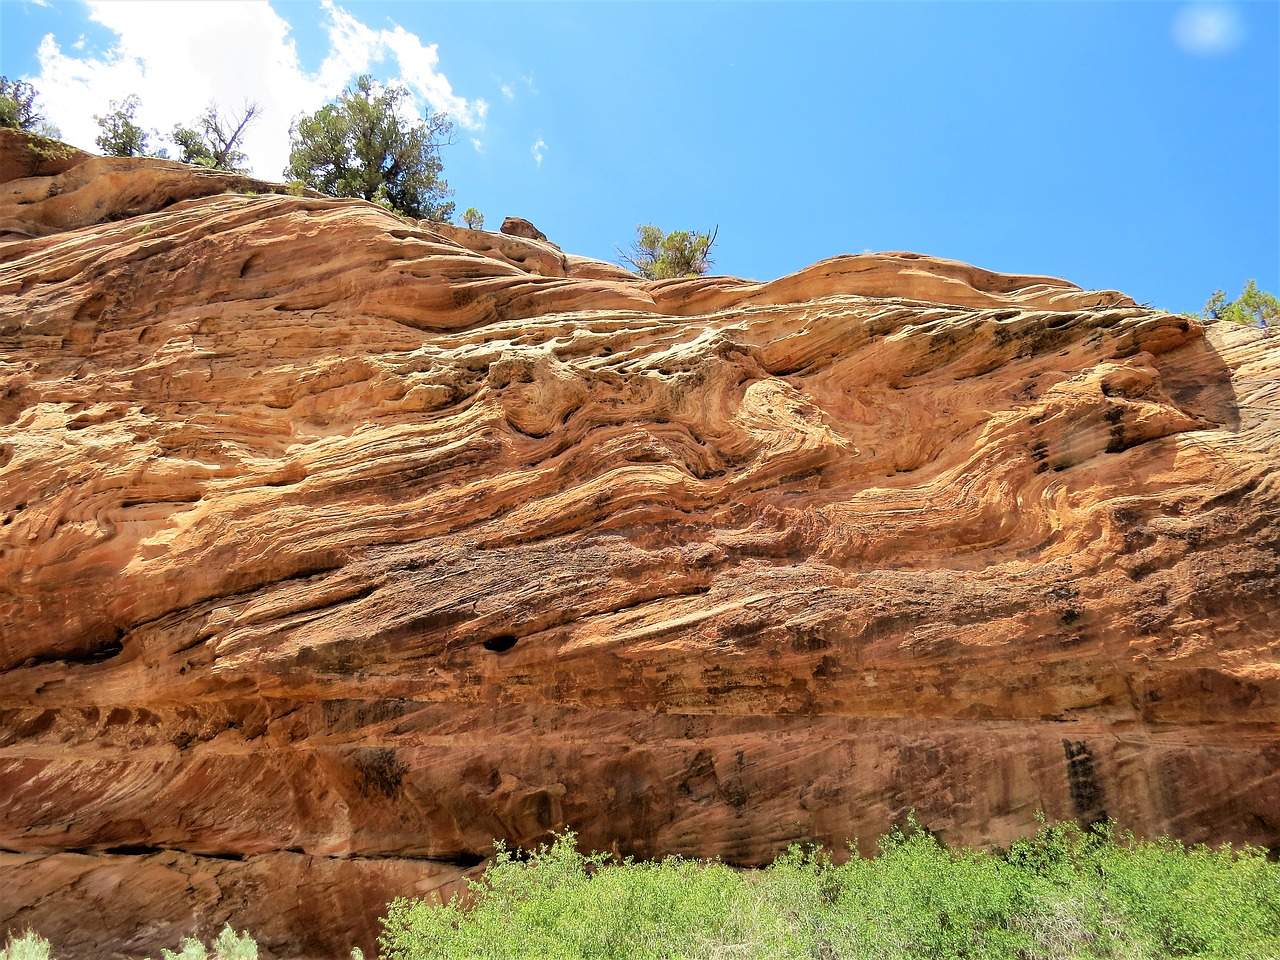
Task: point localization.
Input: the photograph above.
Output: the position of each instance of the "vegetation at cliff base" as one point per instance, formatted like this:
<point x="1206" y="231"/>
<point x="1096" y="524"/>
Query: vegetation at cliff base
<point x="227" y="945"/>
<point x="25" y="946"/>
<point x="1064" y="893"/>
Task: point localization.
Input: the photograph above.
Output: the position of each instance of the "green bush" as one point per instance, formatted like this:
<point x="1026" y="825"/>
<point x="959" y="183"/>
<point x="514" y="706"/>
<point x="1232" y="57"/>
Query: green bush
<point x="1064" y="893"/>
<point x="26" y="946"/>
<point x="216" y="139"/>
<point x="228" y="945"/>
<point x="657" y="255"/>
<point x="373" y="143"/>
<point x="18" y="107"/>
<point x="118" y="135"/>
<point x="1253" y="308"/>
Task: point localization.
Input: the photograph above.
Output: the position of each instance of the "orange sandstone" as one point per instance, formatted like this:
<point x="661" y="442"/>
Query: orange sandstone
<point x="334" y="546"/>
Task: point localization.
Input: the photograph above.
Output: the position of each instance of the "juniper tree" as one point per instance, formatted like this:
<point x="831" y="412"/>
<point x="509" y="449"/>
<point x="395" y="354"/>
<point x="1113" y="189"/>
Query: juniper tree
<point x="18" y="105"/>
<point x="1254" y="307"/>
<point x="364" y="144"/>
<point x="120" y="136"/>
<point x="659" y="256"/>
<point x="216" y="140"/>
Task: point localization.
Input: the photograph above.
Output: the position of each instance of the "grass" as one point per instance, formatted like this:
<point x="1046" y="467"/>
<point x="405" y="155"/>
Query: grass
<point x="1063" y="894"/>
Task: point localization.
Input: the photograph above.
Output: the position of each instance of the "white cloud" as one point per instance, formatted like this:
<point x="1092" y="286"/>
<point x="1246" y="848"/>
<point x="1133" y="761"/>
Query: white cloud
<point x="418" y="63"/>
<point x="1208" y="29"/>
<point x="477" y="145"/>
<point x="508" y="91"/>
<point x="179" y="57"/>
<point x="538" y="149"/>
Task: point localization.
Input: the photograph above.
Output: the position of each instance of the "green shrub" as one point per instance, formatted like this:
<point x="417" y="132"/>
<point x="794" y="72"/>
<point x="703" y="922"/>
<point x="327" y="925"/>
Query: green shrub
<point x="1253" y="308"/>
<point x="657" y="255"/>
<point x="118" y="135"/>
<point x="216" y="139"/>
<point x="228" y="945"/>
<point x="26" y="946"/>
<point x="191" y="949"/>
<point x="1063" y="893"/>
<point x="18" y="105"/>
<point x="373" y="143"/>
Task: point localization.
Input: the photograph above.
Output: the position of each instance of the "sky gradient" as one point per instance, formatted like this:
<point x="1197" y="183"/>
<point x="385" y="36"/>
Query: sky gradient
<point x="1131" y="145"/>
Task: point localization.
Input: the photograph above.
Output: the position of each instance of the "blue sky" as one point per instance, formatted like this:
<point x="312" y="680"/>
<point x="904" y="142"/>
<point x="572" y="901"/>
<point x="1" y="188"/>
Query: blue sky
<point x="1129" y="145"/>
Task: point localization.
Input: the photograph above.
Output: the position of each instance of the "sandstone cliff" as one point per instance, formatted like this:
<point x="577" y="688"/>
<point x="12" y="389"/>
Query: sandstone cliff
<point x="333" y="546"/>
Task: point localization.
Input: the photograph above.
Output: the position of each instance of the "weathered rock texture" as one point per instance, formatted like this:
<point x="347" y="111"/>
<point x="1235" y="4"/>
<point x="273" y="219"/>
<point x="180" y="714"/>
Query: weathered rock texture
<point x="520" y="227"/>
<point x="335" y="546"/>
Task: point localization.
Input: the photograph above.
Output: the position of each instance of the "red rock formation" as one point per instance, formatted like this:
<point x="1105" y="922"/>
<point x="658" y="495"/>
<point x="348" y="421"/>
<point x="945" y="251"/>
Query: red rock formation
<point x="24" y="154"/>
<point x="333" y="546"/>
<point x="520" y="227"/>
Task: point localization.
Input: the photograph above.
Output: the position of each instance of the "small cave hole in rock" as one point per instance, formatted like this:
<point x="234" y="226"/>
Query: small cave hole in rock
<point x="500" y="644"/>
<point x="466" y="859"/>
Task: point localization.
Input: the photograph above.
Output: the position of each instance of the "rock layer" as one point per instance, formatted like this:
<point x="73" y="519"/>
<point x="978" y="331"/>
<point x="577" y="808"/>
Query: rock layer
<point x="334" y="546"/>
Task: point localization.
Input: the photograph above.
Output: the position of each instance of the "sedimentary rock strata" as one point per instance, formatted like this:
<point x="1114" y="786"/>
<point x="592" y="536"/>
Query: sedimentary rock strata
<point x="334" y="546"/>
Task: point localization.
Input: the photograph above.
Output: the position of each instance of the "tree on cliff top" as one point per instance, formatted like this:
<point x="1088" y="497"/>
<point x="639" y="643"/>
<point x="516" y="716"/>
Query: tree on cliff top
<point x="216" y="139"/>
<point x="18" y="105"/>
<point x="364" y="145"/>
<point x="661" y="256"/>
<point x="18" y="109"/>
<point x="1254" y="307"/>
<point x="120" y="136"/>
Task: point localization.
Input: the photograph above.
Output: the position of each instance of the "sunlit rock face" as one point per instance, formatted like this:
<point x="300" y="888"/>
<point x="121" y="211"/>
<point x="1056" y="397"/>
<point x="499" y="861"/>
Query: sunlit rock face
<point x="334" y="546"/>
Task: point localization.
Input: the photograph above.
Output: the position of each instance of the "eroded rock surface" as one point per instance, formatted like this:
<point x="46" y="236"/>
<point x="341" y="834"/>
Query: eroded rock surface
<point x="520" y="227"/>
<point x="334" y="546"/>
